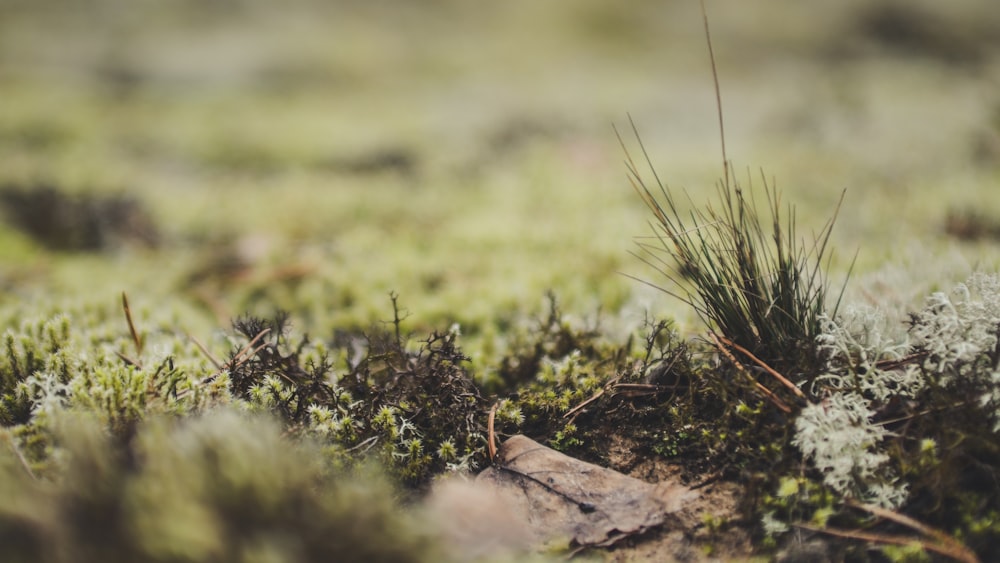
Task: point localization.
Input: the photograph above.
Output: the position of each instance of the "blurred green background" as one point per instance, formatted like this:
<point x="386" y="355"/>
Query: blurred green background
<point x="216" y="157"/>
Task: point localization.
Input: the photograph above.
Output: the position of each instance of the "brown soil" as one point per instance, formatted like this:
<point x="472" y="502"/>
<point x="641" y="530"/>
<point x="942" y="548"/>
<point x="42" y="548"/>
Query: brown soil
<point x="707" y="528"/>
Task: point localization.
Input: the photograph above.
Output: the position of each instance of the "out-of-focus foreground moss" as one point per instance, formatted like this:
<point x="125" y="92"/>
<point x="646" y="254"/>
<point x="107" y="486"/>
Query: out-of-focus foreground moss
<point x="224" y="486"/>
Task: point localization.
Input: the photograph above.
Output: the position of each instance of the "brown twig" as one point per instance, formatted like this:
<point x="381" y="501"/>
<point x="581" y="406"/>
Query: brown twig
<point x="204" y="350"/>
<point x="248" y="351"/>
<point x="924" y="413"/>
<point x="641" y="389"/>
<point x="760" y="387"/>
<point x="956" y="549"/>
<point x="131" y="326"/>
<point x="128" y="360"/>
<point x="20" y="456"/>
<point x="571" y="414"/>
<point x="491" y="434"/>
<point x="244" y="354"/>
<point x="718" y="97"/>
<point x="366" y="444"/>
<point x="963" y="554"/>
<point x="782" y="379"/>
<point x="889" y="365"/>
<point x="616" y="389"/>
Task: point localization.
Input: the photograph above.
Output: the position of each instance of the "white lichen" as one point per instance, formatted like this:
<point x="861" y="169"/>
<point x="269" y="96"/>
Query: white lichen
<point x="838" y="436"/>
<point x="853" y="345"/>
<point x="959" y="335"/>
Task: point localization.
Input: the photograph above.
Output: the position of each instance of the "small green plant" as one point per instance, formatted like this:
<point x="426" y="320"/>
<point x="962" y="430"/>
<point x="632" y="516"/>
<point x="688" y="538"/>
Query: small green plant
<point x="35" y="346"/>
<point x="418" y="411"/>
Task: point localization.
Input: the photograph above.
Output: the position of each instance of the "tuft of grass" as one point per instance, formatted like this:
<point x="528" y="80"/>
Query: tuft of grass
<point x="760" y="285"/>
<point x="749" y="275"/>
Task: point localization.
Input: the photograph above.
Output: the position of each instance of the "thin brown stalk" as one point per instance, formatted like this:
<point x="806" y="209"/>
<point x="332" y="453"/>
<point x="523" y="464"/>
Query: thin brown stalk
<point x="571" y="414"/>
<point x="889" y="365"/>
<point x="20" y="456"/>
<point x="248" y="350"/>
<point x="491" y="434"/>
<point x="131" y="325"/>
<point x="364" y="444"/>
<point x="944" y="539"/>
<point x="244" y="354"/>
<point x="760" y="387"/>
<point x="640" y="389"/>
<point x="204" y="350"/>
<point x="718" y="97"/>
<point x="782" y="379"/>
<point x="964" y="554"/>
<point x="128" y="360"/>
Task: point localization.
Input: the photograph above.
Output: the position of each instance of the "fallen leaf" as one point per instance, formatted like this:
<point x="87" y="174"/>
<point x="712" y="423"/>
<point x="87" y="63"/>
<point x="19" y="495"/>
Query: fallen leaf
<point x="563" y="497"/>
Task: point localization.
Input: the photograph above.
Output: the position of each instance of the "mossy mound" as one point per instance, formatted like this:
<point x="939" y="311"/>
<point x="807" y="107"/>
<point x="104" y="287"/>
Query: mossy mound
<point x="223" y="486"/>
<point x="268" y="450"/>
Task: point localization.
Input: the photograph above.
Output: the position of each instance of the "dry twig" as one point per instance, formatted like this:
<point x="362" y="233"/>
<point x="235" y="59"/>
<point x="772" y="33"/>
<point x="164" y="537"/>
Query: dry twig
<point x="492" y="441"/>
<point x="131" y="326"/>
<point x="218" y="365"/>
<point x="760" y="387"/>
<point x="20" y="456"/>
<point x="963" y="555"/>
<point x="954" y="548"/>
<point x="782" y="379"/>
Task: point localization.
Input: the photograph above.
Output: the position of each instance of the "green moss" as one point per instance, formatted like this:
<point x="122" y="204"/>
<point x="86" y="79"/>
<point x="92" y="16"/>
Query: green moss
<point x="401" y="405"/>
<point x="223" y="486"/>
<point x="910" y="553"/>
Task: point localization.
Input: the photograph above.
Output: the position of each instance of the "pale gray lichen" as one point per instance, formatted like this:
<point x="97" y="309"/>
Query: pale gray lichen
<point x="838" y="435"/>
<point x="853" y="346"/>
<point x="956" y="336"/>
<point x="959" y="335"/>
